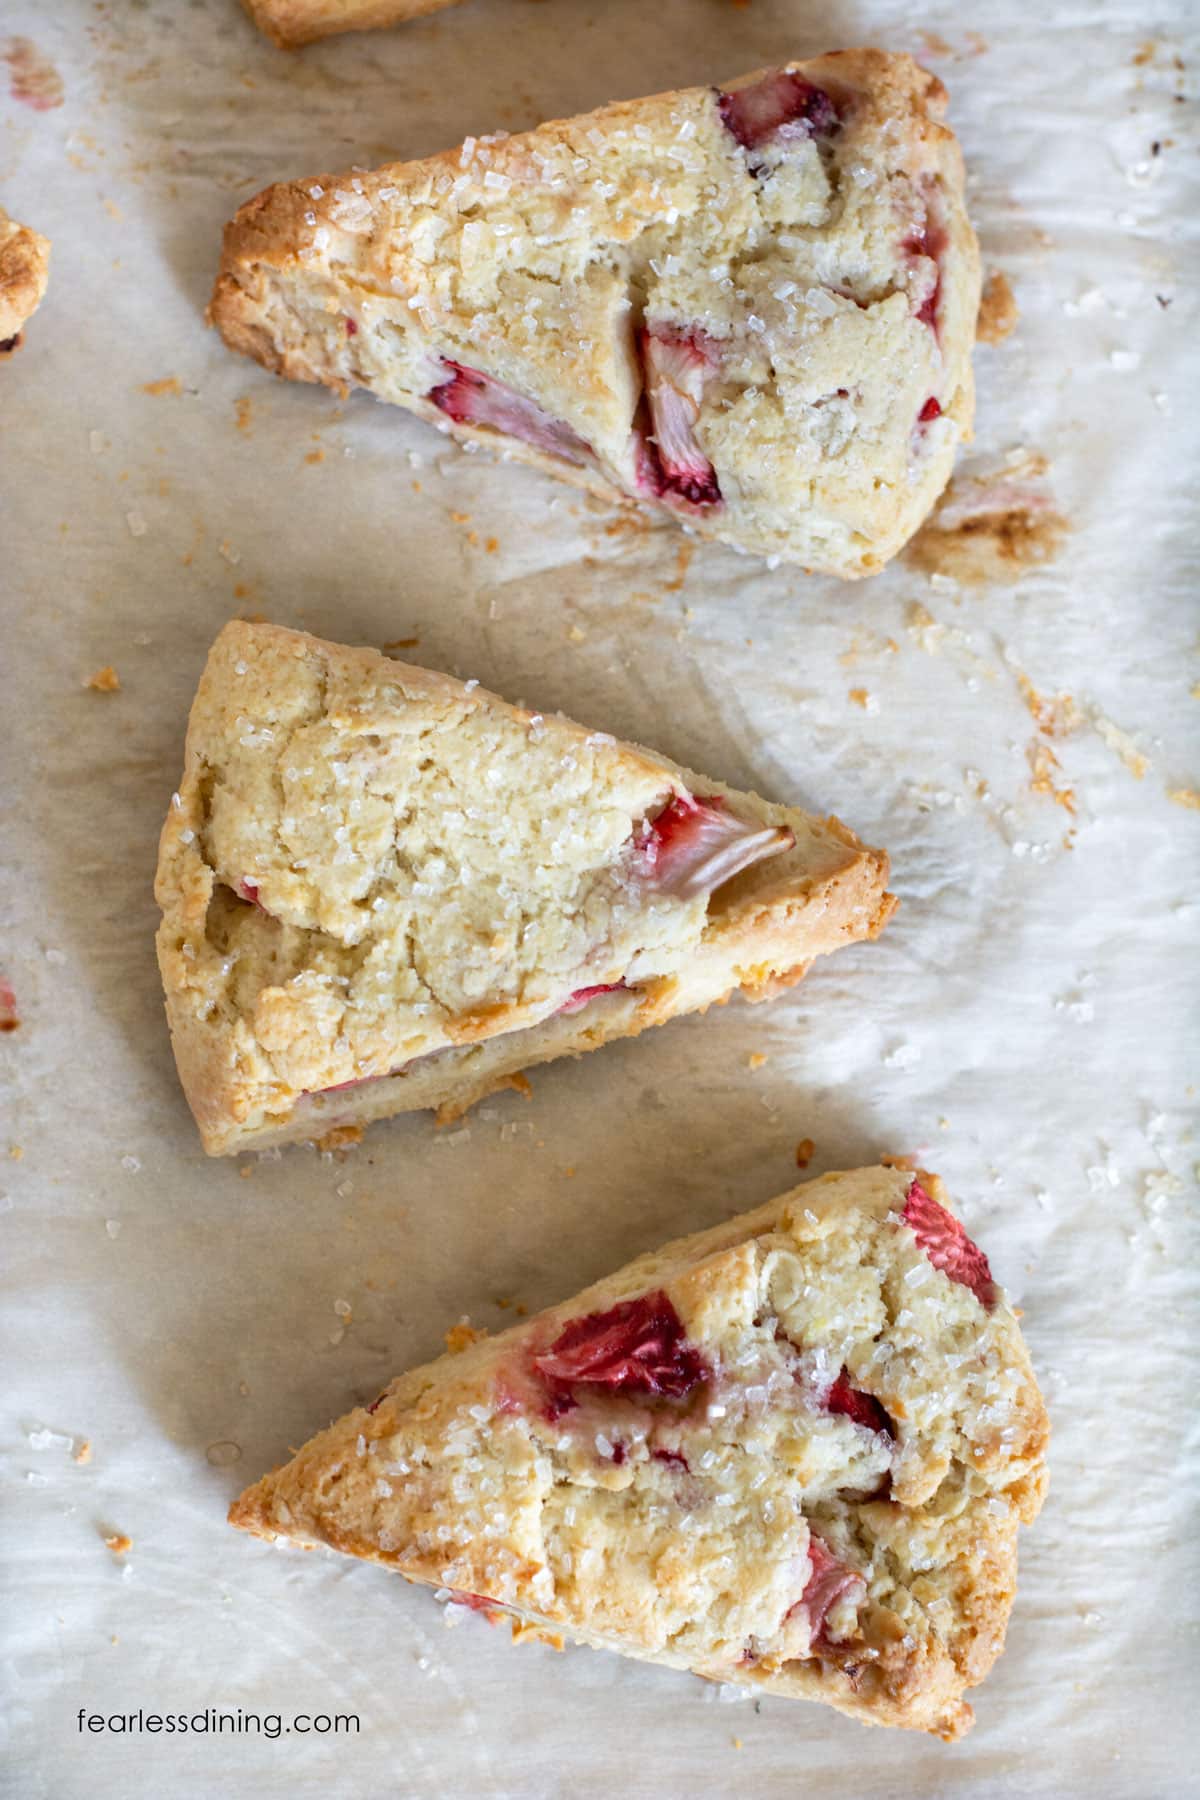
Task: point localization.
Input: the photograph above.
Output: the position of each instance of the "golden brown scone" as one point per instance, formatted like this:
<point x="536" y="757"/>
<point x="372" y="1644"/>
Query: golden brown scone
<point x="384" y="889"/>
<point x="24" y="268"/>
<point x="790" y="1453"/>
<point x="291" y="23"/>
<point x="750" y="310"/>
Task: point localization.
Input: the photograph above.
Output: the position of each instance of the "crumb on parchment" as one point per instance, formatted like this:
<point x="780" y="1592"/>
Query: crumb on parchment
<point x="118" y="1542"/>
<point x="461" y="1336"/>
<point x="804" y="1152"/>
<point x="104" y="681"/>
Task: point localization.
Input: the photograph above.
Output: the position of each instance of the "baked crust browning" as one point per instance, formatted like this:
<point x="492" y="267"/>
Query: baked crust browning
<point x="293" y="23"/>
<point x="385" y="890"/>
<point x="24" y="270"/>
<point x="790" y="1453"/>
<point x="766" y="337"/>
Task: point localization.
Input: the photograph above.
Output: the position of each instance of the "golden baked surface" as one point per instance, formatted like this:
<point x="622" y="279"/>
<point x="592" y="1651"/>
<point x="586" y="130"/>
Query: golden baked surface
<point x="791" y="1452"/>
<point x="24" y="270"/>
<point x="291" y="23"/>
<point x="385" y="889"/>
<point x="750" y="309"/>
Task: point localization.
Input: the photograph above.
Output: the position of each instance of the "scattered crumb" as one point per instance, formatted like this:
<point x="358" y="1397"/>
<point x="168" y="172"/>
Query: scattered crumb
<point x="1123" y="744"/>
<point x="315" y="456"/>
<point x="244" y="407"/>
<point x="755" y="1060"/>
<point x="246" y="1171"/>
<point x="934" y="44"/>
<point x="1144" y="54"/>
<point x="900" y="1162"/>
<point x="1043" y="763"/>
<point x="104" y="681"/>
<point x="460" y="518"/>
<point x="736" y="1742"/>
<point x="804" y="1152"/>
<point x="82" y="1452"/>
<point x="576" y="636"/>
<point x="340" y="1137"/>
<point x="991" y="528"/>
<point x="16" y="1152"/>
<point x="10" y="1018"/>
<point x="402" y="643"/>
<point x="861" y="697"/>
<point x="1189" y="797"/>
<point x="461" y="1336"/>
<point x="118" y="1543"/>
<point x="998" y="313"/>
<point x="169" y="384"/>
<point x="1055" y="717"/>
<point x="492" y="545"/>
<point x="32" y="77"/>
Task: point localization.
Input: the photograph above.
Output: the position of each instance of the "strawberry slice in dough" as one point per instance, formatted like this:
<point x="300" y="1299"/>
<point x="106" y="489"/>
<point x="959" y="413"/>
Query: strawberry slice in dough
<point x="670" y="463"/>
<point x="637" y="1347"/>
<point x="947" y="1245"/>
<point x="860" y="1408"/>
<point x="783" y="102"/>
<point x="470" y="397"/>
<point x="830" y="1581"/>
<point x="695" y="846"/>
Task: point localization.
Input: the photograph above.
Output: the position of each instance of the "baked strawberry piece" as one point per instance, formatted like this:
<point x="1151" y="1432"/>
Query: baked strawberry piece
<point x="791" y="1453"/>
<point x="385" y="890"/>
<point x="738" y="306"/>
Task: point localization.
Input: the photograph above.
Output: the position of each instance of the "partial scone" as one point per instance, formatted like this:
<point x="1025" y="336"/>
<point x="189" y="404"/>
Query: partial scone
<point x="752" y="308"/>
<point x="383" y="889"/>
<point x="24" y="269"/>
<point x="290" y="23"/>
<point x="791" y="1453"/>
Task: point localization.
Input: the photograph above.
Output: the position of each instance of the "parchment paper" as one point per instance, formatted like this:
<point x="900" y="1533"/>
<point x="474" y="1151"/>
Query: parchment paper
<point x="1020" y="1026"/>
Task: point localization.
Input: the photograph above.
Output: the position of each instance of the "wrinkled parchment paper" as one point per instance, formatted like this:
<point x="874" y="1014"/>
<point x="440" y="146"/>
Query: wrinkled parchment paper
<point x="1020" y="1027"/>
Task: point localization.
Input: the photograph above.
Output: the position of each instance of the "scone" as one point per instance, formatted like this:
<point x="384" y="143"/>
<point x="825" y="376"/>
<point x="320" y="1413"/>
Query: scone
<point x="383" y="889"/>
<point x="750" y="308"/>
<point x="290" y="23"/>
<point x="790" y="1453"/>
<point x="24" y="269"/>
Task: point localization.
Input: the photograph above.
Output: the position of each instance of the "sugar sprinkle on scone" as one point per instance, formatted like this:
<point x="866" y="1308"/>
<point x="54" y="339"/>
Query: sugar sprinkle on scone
<point x="790" y="1453"/>
<point x="24" y="270"/>
<point x="291" y="23"/>
<point x="384" y="889"/>
<point x="751" y="308"/>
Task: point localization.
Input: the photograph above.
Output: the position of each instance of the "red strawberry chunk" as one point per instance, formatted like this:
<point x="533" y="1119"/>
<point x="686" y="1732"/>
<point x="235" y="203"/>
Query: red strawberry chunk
<point x="947" y="1245"/>
<point x="10" y="1012"/>
<point x="637" y="1347"/>
<point x="931" y="410"/>
<point x="579" y="999"/>
<point x="351" y="328"/>
<point x="929" y="241"/>
<point x="694" y="846"/>
<point x="470" y="397"/>
<point x="780" y="102"/>
<point x="248" y="890"/>
<point x="829" y="1580"/>
<point x="676" y="365"/>
<point x="860" y="1408"/>
<point x="675" y="1459"/>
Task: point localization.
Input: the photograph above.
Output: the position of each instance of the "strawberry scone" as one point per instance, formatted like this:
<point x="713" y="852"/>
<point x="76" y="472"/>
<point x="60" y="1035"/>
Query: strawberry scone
<point x="24" y="270"/>
<point x="751" y="307"/>
<point x="291" y="23"/>
<point x="384" y="889"/>
<point x="791" y="1453"/>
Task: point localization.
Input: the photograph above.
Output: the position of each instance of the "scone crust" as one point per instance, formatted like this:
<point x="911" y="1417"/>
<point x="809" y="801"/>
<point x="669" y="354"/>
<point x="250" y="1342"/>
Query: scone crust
<point x="293" y="23"/>
<point x="24" y="271"/>
<point x="283" y="1059"/>
<point x="455" y="1478"/>
<point x="374" y="279"/>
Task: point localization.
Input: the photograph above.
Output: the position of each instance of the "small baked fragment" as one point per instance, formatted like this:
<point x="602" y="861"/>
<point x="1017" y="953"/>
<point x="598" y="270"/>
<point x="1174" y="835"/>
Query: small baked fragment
<point x="24" y="270"/>
<point x="791" y="1452"/>
<point x="292" y="23"/>
<point x="750" y="309"/>
<point x="383" y="890"/>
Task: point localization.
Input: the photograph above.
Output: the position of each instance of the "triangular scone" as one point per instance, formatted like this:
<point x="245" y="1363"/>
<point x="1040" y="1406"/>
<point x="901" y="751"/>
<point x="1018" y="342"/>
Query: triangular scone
<point x="384" y="889"/>
<point x="290" y="23"/>
<point x="791" y="1453"/>
<point x="752" y="307"/>
<point x="24" y="269"/>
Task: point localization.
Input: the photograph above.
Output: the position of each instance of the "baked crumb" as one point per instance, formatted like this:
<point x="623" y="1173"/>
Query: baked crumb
<point x="118" y="1542"/>
<point x="104" y="681"/>
<point x="340" y="1137"/>
<point x="16" y="1152"/>
<point x="169" y="384"/>
<point x="992" y="527"/>
<point x="804" y="1152"/>
<point x="461" y="1336"/>
<point x="756" y="1060"/>
<point x="1043" y="765"/>
<point x="998" y="312"/>
<point x="1189" y="797"/>
<point x="82" y="1452"/>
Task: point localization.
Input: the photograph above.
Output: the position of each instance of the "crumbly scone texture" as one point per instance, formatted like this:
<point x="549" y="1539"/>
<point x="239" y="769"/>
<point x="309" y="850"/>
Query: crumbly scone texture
<point x="24" y="270"/>
<point x="808" y="300"/>
<point x="381" y="887"/>
<point x="292" y="23"/>
<point x="747" y="1521"/>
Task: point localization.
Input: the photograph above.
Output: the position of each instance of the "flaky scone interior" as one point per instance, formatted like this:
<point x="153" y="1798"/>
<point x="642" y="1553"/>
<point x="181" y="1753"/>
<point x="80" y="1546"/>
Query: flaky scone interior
<point x="749" y="308"/>
<point x="384" y="890"/>
<point x="24" y="271"/>
<point x="791" y="1453"/>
